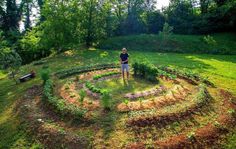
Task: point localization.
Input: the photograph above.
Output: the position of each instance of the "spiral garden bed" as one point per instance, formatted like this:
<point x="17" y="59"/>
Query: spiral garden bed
<point x="93" y="107"/>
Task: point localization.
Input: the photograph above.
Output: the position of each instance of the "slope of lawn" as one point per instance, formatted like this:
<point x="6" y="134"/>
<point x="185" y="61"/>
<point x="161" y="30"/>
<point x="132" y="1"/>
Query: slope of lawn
<point x="221" y="70"/>
<point x="225" y="43"/>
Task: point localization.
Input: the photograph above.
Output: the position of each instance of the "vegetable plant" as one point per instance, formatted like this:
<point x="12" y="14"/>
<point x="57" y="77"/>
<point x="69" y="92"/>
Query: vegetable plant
<point x="82" y="95"/>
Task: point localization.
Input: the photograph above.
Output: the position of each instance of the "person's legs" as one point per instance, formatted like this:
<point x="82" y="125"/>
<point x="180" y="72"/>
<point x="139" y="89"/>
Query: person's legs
<point x="122" y="71"/>
<point x="127" y="70"/>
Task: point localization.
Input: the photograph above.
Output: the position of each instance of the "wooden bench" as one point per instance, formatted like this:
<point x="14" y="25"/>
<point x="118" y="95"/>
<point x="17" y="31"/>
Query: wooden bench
<point x="27" y="77"/>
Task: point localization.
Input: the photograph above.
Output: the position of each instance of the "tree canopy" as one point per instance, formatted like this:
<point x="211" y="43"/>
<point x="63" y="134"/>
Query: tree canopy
<point x="64" y="24"/>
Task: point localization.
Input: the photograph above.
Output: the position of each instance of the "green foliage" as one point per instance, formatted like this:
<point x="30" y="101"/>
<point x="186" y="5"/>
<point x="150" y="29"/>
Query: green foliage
<point x="230" y="142"/>
<point x="96" y="77"/>
<point x="94" y="89"/>
<point x="126" y="102"/>
<point x="9" y="58"/>
<point x="150" y="72"/>
<point x="45" y="74"/>
<point x="145" y="70"/>
<point x="174" y="43"/>
<point x="82" y="95"/>
<point x="60" y="105"/>
<point x="106" y="100"/>
<point x="31" y="45"/>
<point x="77" y="70"/>
<point x="166" y="31"/>
<point x="232" y="112"/>
<point x="191" y="136"/>
<point x="209" y="40"/>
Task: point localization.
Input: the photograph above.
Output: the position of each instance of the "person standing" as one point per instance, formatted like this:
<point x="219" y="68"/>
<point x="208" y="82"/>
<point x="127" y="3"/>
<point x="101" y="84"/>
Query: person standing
<point x="124" y="63"/>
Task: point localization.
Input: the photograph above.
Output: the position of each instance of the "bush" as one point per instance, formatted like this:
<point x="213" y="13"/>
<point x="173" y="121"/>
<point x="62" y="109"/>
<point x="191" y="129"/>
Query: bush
<point x="145" y="70"/>
<point x="45" y="74"/>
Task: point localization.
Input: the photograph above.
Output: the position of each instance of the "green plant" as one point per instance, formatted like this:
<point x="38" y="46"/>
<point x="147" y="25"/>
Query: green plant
<point x="218" y="125"/>
<point x="126" y="102"/>
<point x="67" y="86"/>
<point x="45" y="74"/>
<point x="209" y="40"/>
<point x="104" y="75"/>
<point x="60" y="105"/>
<point x="191" y="136"/>
<point x="232" y="112"/>
<point x="77" y="70"/>
<point x="82" y="95"/>
<point x="140" y="101"/>
<point x="106" y="100"/>
<point x="72" y="95"/>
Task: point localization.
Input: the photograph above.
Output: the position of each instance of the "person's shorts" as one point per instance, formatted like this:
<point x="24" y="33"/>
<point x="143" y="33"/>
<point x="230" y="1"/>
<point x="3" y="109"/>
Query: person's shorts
<point x="125" y="67"/>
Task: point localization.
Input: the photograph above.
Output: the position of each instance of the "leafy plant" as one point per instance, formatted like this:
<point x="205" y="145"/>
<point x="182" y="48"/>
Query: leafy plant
<point x="72" y="95"/>
<point x="104" y="75"/>
<point x="209" y="40"/>
<point x="126" y="102"/>
<point x="106" y="100"/>
<point x="218" y="125"/>
<point x="11" y="61"/>
<point x="232" y="112"/>
<point x="191" y="136"/>
<point x="60" y="105"/>
<point x="82" y="95"/>
<point x="45" y="74"/>
<point x="77" y="70"/>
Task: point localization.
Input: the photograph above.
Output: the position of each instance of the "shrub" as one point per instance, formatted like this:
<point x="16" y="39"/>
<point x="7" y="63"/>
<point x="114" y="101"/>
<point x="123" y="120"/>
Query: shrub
<point x="45" y="74"/>
<point x="145" y="70"/>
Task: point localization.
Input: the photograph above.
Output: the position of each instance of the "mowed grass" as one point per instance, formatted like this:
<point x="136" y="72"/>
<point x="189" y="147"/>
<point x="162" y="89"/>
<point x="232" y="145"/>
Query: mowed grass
<point x="220" y="69"/>
<point x="225" y="43"/>
<point x="118" y="86"/>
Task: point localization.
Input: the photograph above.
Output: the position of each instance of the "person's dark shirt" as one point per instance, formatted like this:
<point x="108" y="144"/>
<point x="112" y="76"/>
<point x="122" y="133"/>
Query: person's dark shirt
<point x="124" y="57"/>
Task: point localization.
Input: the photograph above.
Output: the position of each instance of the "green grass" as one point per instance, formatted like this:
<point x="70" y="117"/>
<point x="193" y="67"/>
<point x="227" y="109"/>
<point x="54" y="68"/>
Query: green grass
<point x="119" y="86"/>
<point x="225" y="43"/>
<point x="221" y="70"/>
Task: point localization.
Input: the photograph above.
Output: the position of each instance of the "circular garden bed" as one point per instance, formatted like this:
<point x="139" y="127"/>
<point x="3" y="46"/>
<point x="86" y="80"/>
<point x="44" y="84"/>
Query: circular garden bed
<point x="157" y="107"/>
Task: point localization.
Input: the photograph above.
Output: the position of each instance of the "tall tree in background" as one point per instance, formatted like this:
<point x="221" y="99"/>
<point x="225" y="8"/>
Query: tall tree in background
<point x="28" y="7"/>
<point x="40" y="4"/>
<point x="95" y="19"/>
<point x="204" y="6"/>
<point x="11" y="16"/>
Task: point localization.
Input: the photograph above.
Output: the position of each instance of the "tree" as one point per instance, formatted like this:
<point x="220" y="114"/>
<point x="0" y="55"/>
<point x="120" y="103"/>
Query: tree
<point x="10" y="60"/>
<point x="155" y="21"/>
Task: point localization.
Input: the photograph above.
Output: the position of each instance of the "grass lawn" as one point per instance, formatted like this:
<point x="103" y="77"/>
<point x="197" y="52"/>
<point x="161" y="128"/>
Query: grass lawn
<point x="224" y="43"/>
<point x="220" y="69"/>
